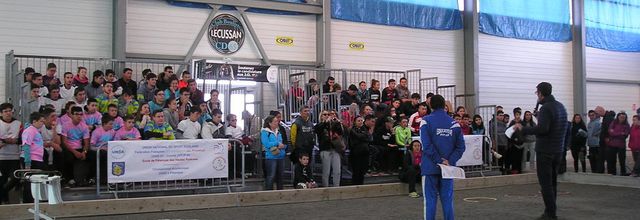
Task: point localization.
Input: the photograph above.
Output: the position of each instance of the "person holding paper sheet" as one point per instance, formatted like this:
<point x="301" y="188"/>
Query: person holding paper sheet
<point x="442" y="143"/>
<point x="551" y="133"/>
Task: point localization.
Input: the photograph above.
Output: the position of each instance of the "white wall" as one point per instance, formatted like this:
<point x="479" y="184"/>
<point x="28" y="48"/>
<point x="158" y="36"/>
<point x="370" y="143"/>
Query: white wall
<point x="437" y="53"/>
<point x="510" y="69"/>
<point x="75" y="28"/>
<point x="155" y="27"/>
<point x="604" y="64"/>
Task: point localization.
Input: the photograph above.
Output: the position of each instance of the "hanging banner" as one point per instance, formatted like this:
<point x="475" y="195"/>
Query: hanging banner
<point x="224" y="71"/>
<point x="472" y="155"/>
<point x="154" y="160"/>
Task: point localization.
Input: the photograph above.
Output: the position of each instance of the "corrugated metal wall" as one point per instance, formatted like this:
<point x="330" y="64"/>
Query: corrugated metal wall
<point x="437" y="53"/>
<point x="604" y="64"/>
<point x="510" y="69"/>
<point x="77" y="28"/>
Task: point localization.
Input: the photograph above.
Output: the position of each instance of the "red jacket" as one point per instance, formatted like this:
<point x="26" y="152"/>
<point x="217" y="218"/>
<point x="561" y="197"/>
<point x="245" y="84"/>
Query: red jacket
<point x="634" y="139"/>
<point x="618" y="134"/>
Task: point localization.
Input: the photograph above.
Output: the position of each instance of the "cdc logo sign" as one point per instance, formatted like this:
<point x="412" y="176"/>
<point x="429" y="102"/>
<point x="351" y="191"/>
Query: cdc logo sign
<point x="226" y="34"/>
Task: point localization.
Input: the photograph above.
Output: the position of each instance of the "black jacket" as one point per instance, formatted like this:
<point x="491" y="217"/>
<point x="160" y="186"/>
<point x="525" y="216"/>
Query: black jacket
<point x="302" y="175"/>
<point x="552" y="129"/>
<point x="577" y="139"/>
<point x="359" y="140"/>
<point x="606" y="121"/>
<point x="346" y="99"/>
<point x="130" y="86"/>
<point x="383" y="137"/>
<point x="322" y="130"/>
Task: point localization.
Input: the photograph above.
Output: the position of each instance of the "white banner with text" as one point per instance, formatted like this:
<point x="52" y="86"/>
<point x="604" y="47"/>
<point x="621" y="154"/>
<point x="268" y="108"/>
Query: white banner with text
<point x="159" y="160"/>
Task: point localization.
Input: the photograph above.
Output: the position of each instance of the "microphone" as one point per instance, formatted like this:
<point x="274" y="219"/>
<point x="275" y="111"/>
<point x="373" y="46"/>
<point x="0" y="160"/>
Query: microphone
<point x="535" y="110"/>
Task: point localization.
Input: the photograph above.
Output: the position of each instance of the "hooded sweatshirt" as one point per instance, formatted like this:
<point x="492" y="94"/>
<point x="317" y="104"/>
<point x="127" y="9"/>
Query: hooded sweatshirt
<point x="270" y="139"/>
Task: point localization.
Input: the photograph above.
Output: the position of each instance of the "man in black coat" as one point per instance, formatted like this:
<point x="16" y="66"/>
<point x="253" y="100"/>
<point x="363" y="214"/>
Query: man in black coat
<point x="551" y="135"/>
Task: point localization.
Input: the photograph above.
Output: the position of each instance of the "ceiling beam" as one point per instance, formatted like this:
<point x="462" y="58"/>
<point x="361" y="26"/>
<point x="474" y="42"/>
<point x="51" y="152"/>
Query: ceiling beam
<point x="310" y="8"/>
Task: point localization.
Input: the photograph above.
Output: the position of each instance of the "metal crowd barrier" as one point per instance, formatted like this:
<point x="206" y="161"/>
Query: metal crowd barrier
<point x="449" y="94"/>
<point x="488" y="112"/>
<point x="236" y="180"/>
<point x="428" y="85"/>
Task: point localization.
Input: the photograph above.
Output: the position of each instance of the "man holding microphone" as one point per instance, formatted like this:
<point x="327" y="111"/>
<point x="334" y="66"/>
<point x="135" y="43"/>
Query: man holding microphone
<point x="442" y="143"/>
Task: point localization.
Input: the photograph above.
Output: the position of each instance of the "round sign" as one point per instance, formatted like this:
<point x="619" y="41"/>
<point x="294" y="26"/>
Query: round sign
<point x="226" y="34"/>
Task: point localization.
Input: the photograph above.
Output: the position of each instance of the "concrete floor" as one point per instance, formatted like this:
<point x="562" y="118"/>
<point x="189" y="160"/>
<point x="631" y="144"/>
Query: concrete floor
<point x="511" y="202"/>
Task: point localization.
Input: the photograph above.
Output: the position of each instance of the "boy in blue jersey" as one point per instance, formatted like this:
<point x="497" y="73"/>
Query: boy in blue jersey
<point x="442" y="143"/>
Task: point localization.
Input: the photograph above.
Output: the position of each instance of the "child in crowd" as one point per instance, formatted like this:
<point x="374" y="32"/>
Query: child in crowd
<point x="32" y="150"/>
<point x="465" y="124"/>
<point x="143" y="116"/>
<point x="157" y="129"/>
<point x="403" y="133"/>
<point x="128" y="132"/>
<point x="99" y="140"/>
<point x="190" y="128"/>
<point x="107" y="98"/>
<point x="75" y="136"/>
<point x="117" y="120"/>
<point x="303" y="177"/>
<point x="128" y="105"/>
<point x="158" y="101"/>
<point x="92" y="118"/>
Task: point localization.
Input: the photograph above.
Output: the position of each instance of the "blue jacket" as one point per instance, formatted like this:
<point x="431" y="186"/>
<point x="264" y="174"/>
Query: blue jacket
<point x="552" y="132"/>
<point x="441" y="138"/>
<point x="270" y="139"/>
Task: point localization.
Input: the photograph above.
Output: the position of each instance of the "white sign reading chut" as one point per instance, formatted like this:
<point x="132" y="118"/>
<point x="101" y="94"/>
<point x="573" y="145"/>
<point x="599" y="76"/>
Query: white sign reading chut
<point x="154" y="160"/>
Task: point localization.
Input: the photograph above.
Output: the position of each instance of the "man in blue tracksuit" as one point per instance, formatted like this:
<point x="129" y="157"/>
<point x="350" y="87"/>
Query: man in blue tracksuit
<point x="442" y="143"/>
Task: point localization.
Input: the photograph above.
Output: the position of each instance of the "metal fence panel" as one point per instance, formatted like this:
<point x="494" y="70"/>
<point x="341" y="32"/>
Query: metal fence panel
<point x="428" y="85"/>
<point x="449" y="94"/>
<point x="488" y="112"/>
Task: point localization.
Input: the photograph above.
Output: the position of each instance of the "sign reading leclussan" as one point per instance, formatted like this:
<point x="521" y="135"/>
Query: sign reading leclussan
<point x="226" y="34"/>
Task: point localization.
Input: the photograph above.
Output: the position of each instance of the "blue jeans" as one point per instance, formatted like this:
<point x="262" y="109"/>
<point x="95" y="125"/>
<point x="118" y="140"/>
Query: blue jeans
<point x="274" y="168"/>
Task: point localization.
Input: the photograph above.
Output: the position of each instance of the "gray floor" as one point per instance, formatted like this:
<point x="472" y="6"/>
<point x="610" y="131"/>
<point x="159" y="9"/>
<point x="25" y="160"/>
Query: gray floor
<point x="512" y="202"/>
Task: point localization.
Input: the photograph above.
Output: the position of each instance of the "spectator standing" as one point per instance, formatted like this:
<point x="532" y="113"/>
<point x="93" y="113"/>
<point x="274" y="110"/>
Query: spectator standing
<point x="95" y="88"/>
<point x="274" y="150"/>
<point x="303" y="137"/>
<point x="331" y="145"/>
<point x="618" y="133"/>
<point x="578" y="143"/>
<point x="67" y="88"/>
<point x="51" y="136"/>
<point x="442" y="143"/>
<point x="607" y="118"/>
<point x="32" y="151"/>
<point x="551" y="135"/>
<point x="465" y="126"/>
<point x="75" y="136"/>
<point x="593" y="141"/>
<point x="100" y="137"/>
<point x="349" y="115"/>
<point x="9" y="149"/>
<point x="360" y="138"/>
<point x="127" y="84"/>
<point x="81" y="79"/>
<point x="501" y="141"/>
<point x="147" y="91"/>
<point x="634" y="145"/>
<point x="516" y="145"/>
<point x="384" y="141"/>
<point x="529" y="142"/>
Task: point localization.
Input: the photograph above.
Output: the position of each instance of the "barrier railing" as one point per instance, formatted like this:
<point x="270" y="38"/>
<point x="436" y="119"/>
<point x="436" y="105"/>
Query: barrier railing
<point x="449" y="94"/>
<point x="428" y="85"/>
<point x="487" y="112"/>
<point x="237" y="160"/>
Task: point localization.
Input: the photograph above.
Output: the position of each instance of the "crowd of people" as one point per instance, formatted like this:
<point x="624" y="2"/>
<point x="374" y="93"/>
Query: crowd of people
<point x="72" y="118"/>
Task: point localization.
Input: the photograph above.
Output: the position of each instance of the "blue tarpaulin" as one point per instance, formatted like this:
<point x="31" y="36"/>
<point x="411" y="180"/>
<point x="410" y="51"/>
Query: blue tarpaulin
<point x="424" y="14"/>
<point x="613" y="24"/>
<point x="255" y="10"/>
<point x="542" y="20"/>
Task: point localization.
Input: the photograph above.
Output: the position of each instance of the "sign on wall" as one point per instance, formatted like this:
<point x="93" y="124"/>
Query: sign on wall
<point x="356" y="45"/>
<point x="226" y="34"/>
<point x="225" y="71"/>
<point x="284" y="41"/>
<point x="154" y="160"/>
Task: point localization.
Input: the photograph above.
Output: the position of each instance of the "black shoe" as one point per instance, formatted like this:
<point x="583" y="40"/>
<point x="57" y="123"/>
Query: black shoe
<point x="547" y="217"/>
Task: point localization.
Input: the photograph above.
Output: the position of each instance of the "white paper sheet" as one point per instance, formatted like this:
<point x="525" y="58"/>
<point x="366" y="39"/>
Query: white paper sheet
<point x="509" y="132"/>
<point x="451" y="172"/>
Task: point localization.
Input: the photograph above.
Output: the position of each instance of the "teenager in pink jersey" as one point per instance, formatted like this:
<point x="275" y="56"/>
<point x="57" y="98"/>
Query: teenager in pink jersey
<point x="128" y="132"/>
<point x="100" y="138"/>
<point x="32" y="153"/>
<point x="75" y="136"/>
<point x="112" y="111"/>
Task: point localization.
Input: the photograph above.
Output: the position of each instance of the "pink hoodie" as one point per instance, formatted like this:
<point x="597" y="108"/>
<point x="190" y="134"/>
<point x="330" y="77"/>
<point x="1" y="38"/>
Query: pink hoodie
<point x="634" y="139"/>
